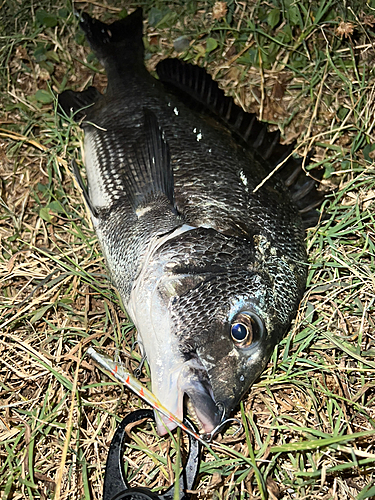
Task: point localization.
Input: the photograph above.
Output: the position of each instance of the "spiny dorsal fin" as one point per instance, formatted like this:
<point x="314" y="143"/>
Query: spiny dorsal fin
<point x="194" y="82"/>
<point x="202" y="93"/>
<point x="78" y="103"/>
<point x="149" y="174"/>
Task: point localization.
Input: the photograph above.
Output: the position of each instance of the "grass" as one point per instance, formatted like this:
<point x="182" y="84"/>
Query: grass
<point x="308" y="423"/>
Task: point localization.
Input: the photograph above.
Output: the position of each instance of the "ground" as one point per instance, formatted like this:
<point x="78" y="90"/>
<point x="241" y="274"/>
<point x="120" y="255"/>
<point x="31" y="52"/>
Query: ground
<point x="309" y="422"/>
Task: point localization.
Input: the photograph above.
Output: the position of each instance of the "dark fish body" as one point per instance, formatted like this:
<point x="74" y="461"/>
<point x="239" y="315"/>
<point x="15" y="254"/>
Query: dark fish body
<point x="210" y="272"/>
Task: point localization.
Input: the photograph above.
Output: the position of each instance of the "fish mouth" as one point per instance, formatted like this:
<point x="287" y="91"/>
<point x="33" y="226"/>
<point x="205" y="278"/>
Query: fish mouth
<point x="201" y="404"/>
<point x="193" y="388"/>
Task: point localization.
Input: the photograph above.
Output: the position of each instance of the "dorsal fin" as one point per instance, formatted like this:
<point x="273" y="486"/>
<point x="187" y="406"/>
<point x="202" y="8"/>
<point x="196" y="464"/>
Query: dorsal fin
<point x="196" y="84"/>
<point x="202" y="93"/>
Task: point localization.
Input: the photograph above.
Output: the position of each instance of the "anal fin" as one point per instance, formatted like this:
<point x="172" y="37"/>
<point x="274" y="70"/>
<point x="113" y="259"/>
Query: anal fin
<point x="78" y="103"/>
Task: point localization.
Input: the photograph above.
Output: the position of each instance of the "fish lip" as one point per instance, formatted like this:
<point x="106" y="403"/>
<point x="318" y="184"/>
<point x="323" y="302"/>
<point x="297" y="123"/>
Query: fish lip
<point x="194" y="383"/>
<point x="206" y="411"/>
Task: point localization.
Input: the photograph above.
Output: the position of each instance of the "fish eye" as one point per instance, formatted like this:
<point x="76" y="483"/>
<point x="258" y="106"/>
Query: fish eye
<point x="246" y="326"/>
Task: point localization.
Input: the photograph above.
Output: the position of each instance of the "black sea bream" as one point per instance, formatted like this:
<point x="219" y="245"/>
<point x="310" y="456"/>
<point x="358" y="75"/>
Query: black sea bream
<point x="210" y="272"/>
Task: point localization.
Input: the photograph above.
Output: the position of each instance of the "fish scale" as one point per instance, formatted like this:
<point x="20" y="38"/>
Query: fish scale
<point x="210" y="262"/>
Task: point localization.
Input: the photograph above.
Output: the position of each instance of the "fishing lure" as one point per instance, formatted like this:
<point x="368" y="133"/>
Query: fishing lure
<point x="117" y="370"/>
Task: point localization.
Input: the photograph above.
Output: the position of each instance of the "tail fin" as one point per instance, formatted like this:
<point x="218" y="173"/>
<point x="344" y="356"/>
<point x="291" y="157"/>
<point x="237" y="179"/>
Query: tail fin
<point x="119" y="41"/>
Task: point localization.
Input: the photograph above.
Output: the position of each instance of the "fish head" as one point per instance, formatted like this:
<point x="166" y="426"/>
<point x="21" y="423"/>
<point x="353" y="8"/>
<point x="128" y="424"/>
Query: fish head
<point x="209" y="314"/>
<point x="225" y="327"/>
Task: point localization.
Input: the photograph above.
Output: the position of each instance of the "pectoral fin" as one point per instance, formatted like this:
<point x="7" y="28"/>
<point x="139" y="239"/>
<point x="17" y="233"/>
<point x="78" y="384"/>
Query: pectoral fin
<point x="149" y="174"/>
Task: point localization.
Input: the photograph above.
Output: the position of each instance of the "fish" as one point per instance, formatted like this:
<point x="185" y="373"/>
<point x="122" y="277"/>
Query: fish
<point x="205" y="247"/>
